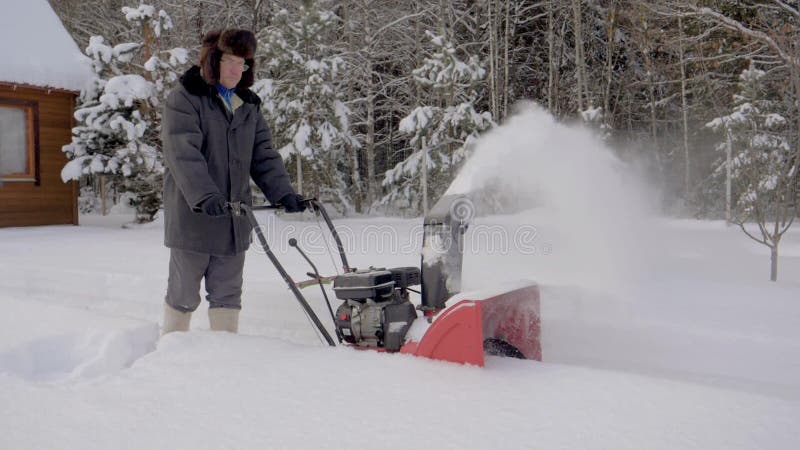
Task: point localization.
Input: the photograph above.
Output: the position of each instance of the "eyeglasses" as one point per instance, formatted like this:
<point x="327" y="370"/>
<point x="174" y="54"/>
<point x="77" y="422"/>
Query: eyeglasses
<point x="241" y="65"/>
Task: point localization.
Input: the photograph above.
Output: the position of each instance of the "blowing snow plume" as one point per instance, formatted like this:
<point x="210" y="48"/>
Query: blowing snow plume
<point x="571" y="187"/>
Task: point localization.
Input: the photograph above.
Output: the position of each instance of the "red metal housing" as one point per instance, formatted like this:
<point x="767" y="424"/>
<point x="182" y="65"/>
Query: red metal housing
<point x="458" y="333"/>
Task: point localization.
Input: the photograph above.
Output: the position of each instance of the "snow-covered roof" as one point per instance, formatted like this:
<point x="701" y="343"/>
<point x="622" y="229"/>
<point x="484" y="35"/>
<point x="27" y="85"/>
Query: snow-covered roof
<point x="37" y="49"/>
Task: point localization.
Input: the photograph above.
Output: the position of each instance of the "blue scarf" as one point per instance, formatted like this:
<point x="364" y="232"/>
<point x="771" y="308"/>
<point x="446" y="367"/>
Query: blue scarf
<point x="226" y="94"/>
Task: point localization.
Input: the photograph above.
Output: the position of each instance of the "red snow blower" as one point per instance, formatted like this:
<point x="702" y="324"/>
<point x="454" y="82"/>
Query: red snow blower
<point x="376" y="311"/>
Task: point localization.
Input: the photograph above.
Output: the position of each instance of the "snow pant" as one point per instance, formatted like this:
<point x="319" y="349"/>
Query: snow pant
<point x="223" y="276"/>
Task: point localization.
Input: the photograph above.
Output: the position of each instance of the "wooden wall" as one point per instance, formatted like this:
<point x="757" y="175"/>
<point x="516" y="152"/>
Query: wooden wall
<point x="51" y="201"/>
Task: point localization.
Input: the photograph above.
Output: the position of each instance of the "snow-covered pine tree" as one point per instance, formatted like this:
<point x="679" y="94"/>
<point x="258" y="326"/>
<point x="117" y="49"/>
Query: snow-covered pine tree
<point x="302" y="100"/>
<point x="119" y="115"/>
<point x="764" y="165"/>
<point x="441" y="132"/>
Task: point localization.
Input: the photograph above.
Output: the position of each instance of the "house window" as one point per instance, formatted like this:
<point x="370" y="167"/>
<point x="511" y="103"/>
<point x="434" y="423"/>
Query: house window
<point x="19" y="146"/>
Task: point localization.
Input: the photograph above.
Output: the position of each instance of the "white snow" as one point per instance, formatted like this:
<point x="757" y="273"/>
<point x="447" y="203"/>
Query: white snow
<point x="301" y="139"/>
<point x="491" y="291"/>
<point x="125" y="89"/>
<point x="416" y="120"/>
<point x="594" y="204"/>
<point x="701" y="352"/>
<point x="99" y="50"/>
<point x="37" y="49"/>
<point x="73" y="169"/>
<point x="774" y="120"/>
<point x="178" y="56"/>
<point x="125" y="52"/>
<point x="143" y="12"/>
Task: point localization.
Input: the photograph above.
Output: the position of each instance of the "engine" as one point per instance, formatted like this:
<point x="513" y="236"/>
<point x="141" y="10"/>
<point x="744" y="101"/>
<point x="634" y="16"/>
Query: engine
<point x="376" y="311"/>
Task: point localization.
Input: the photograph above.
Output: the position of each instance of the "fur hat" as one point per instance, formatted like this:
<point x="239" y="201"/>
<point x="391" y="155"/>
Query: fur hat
<point x="241" y="43"/>
<point x="237" y="42"/>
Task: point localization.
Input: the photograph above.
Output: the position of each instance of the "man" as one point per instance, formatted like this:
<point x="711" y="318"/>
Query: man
<point x="215" y="139"/>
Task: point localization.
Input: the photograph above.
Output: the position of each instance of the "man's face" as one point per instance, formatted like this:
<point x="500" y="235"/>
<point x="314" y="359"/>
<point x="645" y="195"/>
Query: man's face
<point x="230" y="70"/>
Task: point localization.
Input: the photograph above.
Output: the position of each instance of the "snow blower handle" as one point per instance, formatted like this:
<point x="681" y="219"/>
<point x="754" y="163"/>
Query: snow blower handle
<point x="237" y="209"/>
<point x="304" y="201"/>
<point x="317" y="206"/>
<point x="240" y="209"/>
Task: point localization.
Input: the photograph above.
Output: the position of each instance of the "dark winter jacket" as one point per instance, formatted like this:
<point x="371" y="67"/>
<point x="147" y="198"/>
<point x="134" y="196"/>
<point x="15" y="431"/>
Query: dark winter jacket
<point x="210" y="150"/>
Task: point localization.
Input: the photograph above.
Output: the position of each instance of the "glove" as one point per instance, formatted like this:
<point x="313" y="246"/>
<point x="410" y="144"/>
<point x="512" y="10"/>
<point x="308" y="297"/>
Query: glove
<point x="214" y="206"/>
<point x="293" y="203"/>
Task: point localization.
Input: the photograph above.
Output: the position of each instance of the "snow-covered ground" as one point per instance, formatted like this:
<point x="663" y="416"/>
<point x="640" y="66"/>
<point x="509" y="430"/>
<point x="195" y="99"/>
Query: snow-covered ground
<point x="689" y="347"/>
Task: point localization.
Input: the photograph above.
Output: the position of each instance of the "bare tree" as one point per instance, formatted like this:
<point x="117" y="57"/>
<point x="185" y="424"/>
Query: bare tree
<point x="580" y="66"/>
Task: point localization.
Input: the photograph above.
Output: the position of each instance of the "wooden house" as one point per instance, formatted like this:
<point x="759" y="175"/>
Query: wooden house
<point x="41" y="73"/>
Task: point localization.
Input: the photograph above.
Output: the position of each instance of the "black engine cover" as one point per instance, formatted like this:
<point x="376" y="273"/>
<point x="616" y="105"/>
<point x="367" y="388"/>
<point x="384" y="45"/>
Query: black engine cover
<point x="376" y="311"/>
<point x="376" y="285"/>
